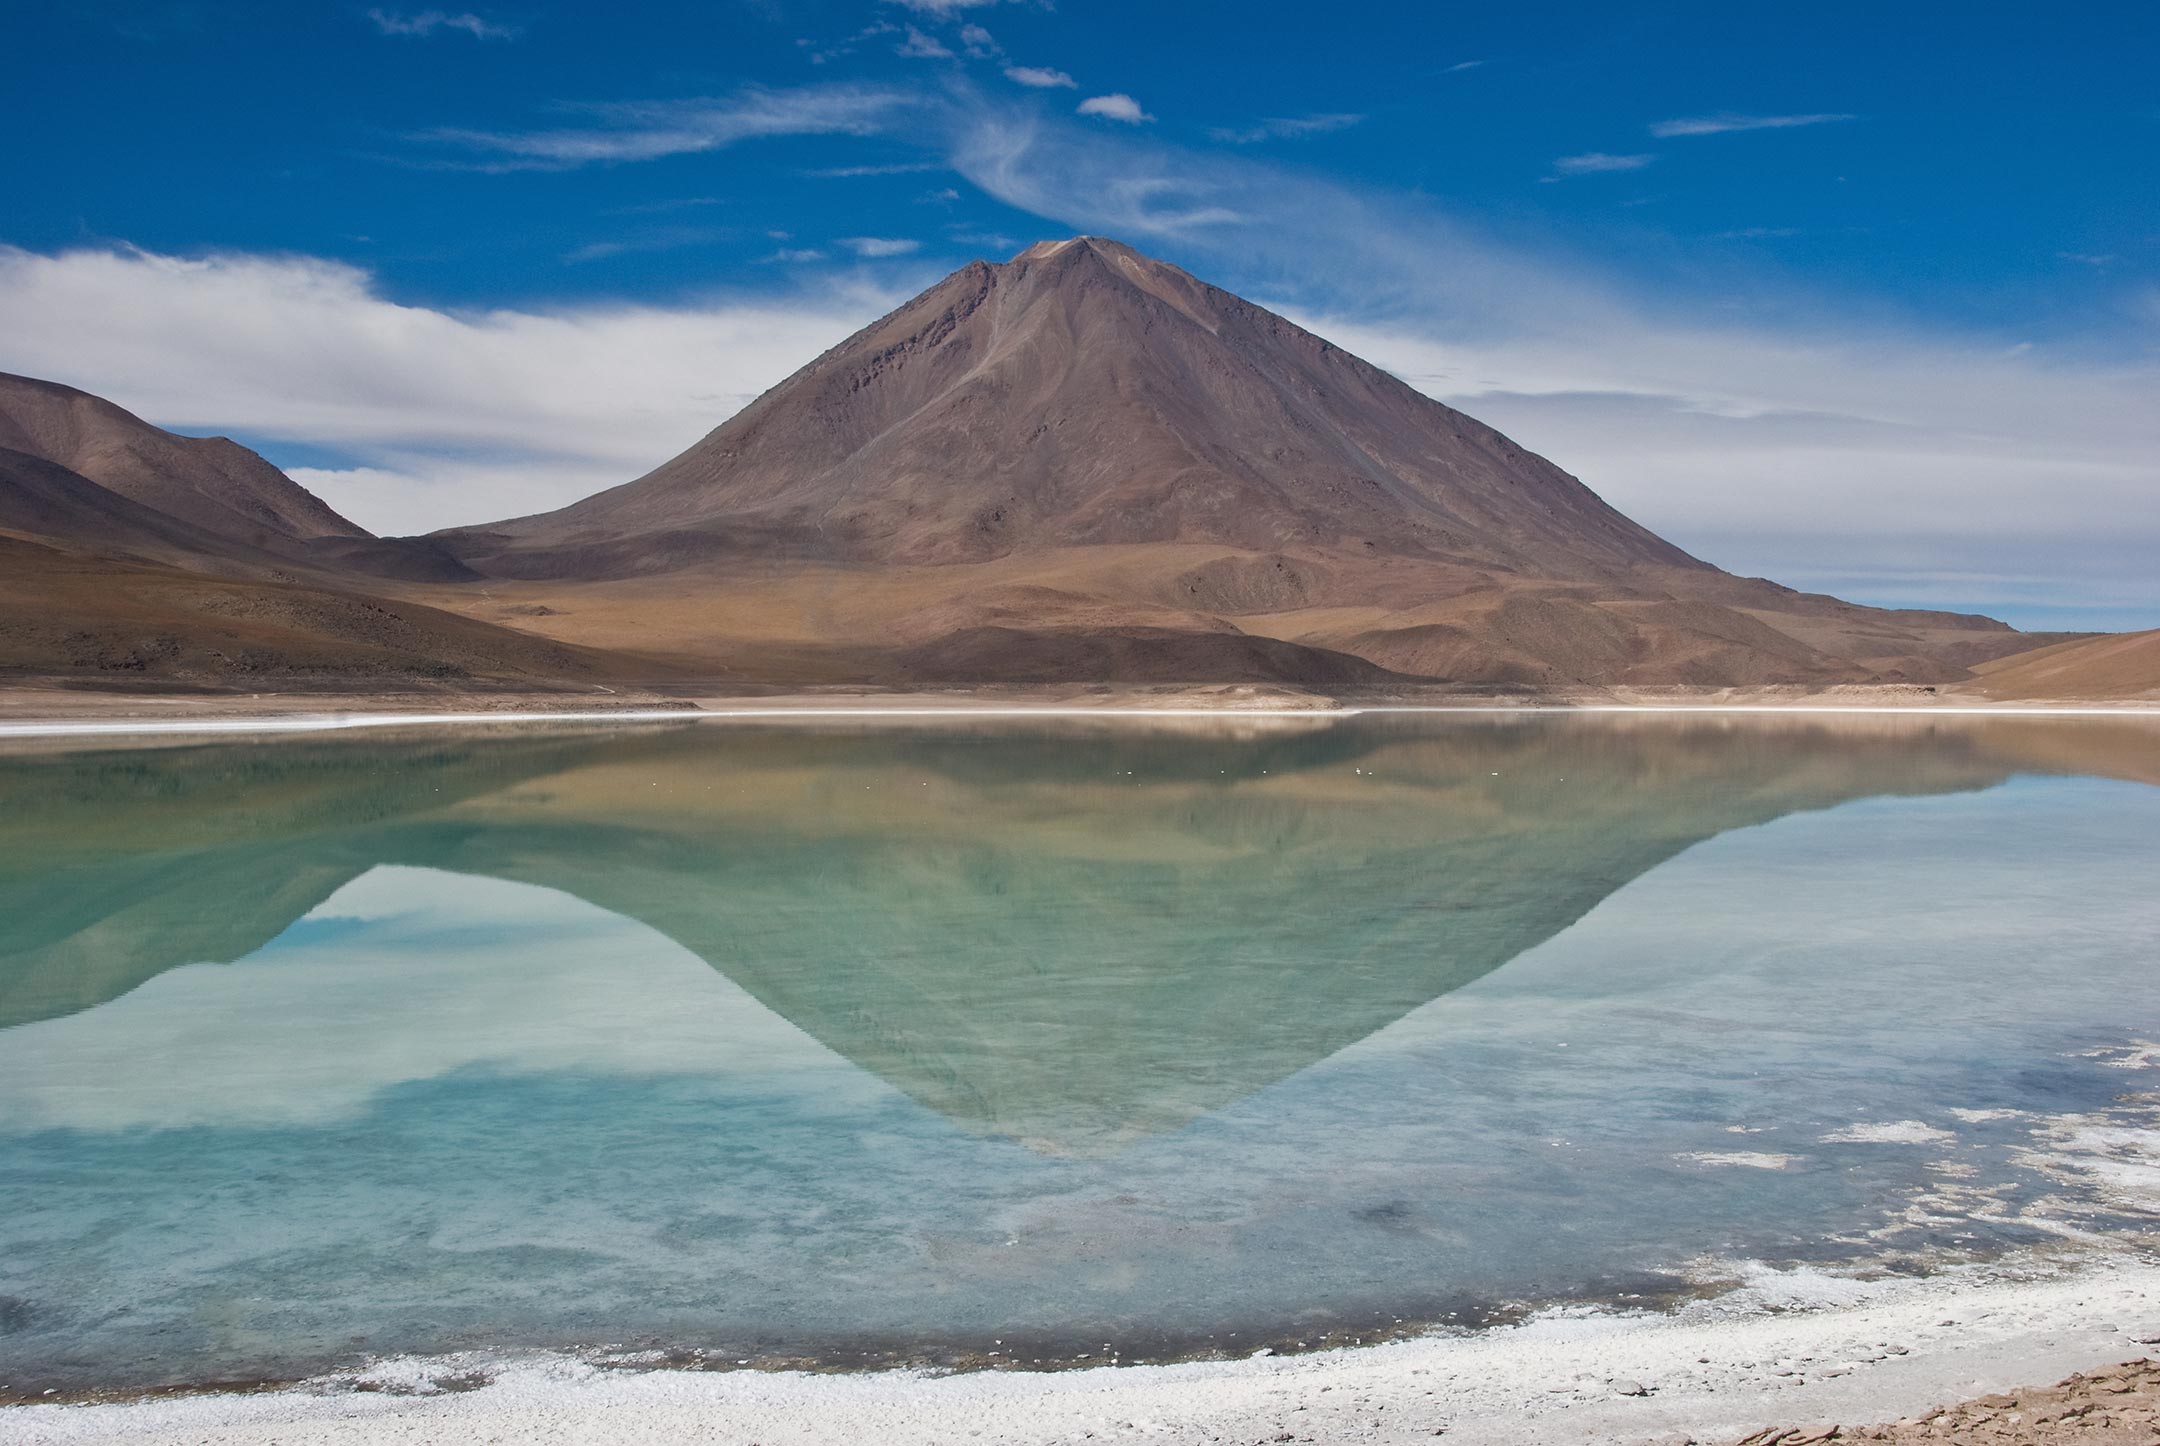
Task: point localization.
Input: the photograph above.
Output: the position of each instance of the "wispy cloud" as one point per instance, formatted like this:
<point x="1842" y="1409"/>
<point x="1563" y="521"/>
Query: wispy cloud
<point x="2086" y="258"/>
<point x="875" y="247"/>
<point x="1285" y="128"/>
<point x="979" y="43"/>
<point x="657" y="238"/>
<point x="423" y="23"/>
<point x="918" y="46"/>
<point x="674" y="203"/>
<point x="797" y="255"/>
<point x="944" y="8"/>
<point x="1041" y="77"/>
<point x="1462" y="65"/>
<point x="897" y="168"/>
<point x="645" y="130"/>
<point x="1719" y="124"/>
<point x="1757" y="233"/>
<point x="1121" y="185"/>
<point x="821" y="52"/>
<point x="1116" y="106"/>
<point x="1592" y="163"/>
<point x="988" y="240"/>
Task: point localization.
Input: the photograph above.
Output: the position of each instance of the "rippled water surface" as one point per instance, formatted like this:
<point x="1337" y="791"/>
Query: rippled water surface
<point x="1044" y="1040"/>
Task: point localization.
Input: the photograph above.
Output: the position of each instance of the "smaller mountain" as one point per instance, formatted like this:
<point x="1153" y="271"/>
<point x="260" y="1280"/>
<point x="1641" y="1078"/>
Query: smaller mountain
<point x="39" y="498"/>
<point x="212" y="482"/>
<point x="131" y="554"/>
<point x="206" y="503"/>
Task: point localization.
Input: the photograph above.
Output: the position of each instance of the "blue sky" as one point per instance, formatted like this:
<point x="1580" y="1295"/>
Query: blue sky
<point x="1861" y="297"/>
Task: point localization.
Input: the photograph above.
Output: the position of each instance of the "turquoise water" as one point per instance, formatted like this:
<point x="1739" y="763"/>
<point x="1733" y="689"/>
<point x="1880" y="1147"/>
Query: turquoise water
<point x="1049" y="1041"/>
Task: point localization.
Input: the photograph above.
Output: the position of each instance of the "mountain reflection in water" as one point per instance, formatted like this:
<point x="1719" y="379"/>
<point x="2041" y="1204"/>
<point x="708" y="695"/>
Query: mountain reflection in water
<point x="1196" y="974"/>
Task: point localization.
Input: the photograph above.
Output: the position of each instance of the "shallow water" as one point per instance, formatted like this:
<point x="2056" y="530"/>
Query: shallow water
<point x="1047" y="1041"/>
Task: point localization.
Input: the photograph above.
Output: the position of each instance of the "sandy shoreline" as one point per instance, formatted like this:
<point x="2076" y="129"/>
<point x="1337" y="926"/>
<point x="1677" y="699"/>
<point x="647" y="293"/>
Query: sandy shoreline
<point x="1788" y="1347"/>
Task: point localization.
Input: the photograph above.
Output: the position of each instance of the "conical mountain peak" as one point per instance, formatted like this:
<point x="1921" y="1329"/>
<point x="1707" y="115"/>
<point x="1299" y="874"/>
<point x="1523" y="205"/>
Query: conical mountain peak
<point x="1085" y="463"/>
<point x="1084" y="393"/>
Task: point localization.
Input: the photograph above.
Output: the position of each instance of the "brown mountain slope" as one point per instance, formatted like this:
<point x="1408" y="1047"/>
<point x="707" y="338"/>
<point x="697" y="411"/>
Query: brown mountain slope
<point x="1084" y="463"/>
<point x="212" y="482"/>
<point x="96" y="583"/>
<point x="227" y="510"/>
<point x="2119" y="666"/>
<point x="43" y="499"/>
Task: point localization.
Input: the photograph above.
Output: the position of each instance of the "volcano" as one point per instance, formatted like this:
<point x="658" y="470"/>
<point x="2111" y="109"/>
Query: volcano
<point x="1083" y="394"/>
<point x="1086" y="464"/>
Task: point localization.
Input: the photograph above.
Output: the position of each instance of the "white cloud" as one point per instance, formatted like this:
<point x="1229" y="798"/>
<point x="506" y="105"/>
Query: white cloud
<point x="1284" y="128"/>
<point x="647" y="130"/>
<point x="880" y="246"/>
<point x="449" y="417"/>
<point x="918" y="46"/>
<point x="1462" y="65"/>
<point x="944" y="8"/>
<point x="1040" y="77"/>
<point x="1591" y="163"/>
<point x="980" y="43"/>
<point x="1116" y="106"/>
<point x="1903" y="467"/>
<point x="427" y="22"/>
<point x="1713" y="125"/>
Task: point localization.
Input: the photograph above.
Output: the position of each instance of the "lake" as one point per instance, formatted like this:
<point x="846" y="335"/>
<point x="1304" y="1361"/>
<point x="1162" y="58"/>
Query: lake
<point x="1046" y="1042"/>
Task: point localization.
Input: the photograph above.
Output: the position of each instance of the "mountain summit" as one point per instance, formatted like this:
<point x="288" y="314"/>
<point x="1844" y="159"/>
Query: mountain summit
<point x="1079" y="394"/>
